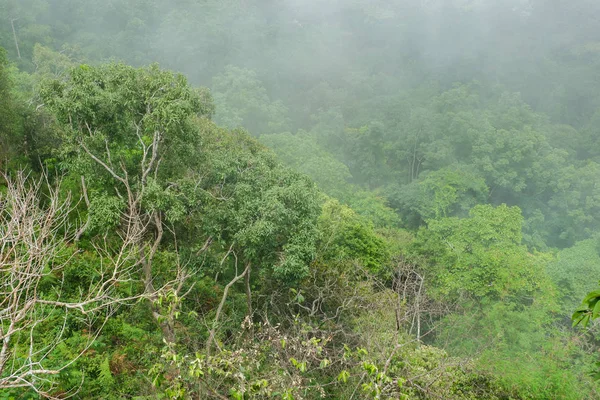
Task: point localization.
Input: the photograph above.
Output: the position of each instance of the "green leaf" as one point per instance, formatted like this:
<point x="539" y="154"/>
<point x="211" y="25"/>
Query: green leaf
<point x="302" y="367"/>
<point x="591" y="296"/>
<point x="287" y="395"/>
<point x="596" y="310"/>
<point x="343" y="376"/>
<point x="583" y="320"/>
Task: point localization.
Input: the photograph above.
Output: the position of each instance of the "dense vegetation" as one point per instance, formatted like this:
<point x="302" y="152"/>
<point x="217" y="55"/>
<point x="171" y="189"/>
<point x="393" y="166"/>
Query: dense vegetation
<point x="347" y="199"/>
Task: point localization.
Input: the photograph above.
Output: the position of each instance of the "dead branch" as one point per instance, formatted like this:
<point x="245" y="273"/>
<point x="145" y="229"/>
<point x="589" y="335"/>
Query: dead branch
<point x="215" y="323"/>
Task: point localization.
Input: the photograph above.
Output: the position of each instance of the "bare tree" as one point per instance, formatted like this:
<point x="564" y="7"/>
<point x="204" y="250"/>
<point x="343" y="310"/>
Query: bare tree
<point x="37" y="244"/>
<point x="408" y="284"/>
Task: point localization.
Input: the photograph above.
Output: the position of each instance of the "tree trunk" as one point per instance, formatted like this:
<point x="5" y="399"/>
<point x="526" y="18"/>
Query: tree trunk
<point x="12" y="23"/>
<point x="248" y="292"/>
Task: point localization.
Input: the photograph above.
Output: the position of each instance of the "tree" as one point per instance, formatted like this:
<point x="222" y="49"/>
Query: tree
<point x="348" y="238"/>
<point x="22" y="28"/>
<point x="302" y="153"/>
<point x="41" y="311"/>
<point x="128" y="133"/>
<point x="8" y="112"/>
<point x="262" y="208"/>
<point x="573" y="272"/>
<point x="481" y="255"/>
<point x="447" y="192"/>
<point x="242" y="101"/>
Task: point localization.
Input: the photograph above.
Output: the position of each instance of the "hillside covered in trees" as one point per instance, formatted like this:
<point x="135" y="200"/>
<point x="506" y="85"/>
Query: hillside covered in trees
<point x="299" y="199"/>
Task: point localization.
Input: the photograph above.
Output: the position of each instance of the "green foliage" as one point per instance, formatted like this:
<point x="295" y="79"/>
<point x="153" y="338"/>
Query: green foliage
<point x="303" y="154"/>
<point x="112" y="99"/>
<point x="364" y="154"/>
<point x="242" y="101"/>
<point x="272" y="366"/>
<point x="443" y="193"/>
<point x="589" y="309"/>
<point x="11" y="130"/>
<point x="4" y="89"/>
<point x="346" y="237"/>
<point x="105" y="211"/>
<point x="486" y="156"/>
<point x="114" y="111"/>
<point x="480" y="255"/>
<point x="266" y="210"/>
<point x="574" y="272"/>
<point x="412" y="365"/>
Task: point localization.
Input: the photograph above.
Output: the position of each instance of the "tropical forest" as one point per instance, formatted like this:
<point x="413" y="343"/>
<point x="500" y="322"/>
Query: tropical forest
<point x="300" y="199"/>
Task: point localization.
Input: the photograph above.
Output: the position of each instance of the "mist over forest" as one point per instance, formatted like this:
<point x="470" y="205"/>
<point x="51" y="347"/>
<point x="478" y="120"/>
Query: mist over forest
<point x="299" y="199"/>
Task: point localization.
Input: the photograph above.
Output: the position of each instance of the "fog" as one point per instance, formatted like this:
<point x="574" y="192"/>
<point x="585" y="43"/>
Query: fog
<point x="463" y="135"/>
<point x="531" y="47"/>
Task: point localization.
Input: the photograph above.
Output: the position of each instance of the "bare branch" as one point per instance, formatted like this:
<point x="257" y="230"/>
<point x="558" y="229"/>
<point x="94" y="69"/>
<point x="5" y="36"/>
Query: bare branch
<point x="215" y="323"/>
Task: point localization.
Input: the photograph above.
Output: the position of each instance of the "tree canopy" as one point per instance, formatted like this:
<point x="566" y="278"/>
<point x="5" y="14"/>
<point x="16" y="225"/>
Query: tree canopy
<point x="299" y="200"/>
